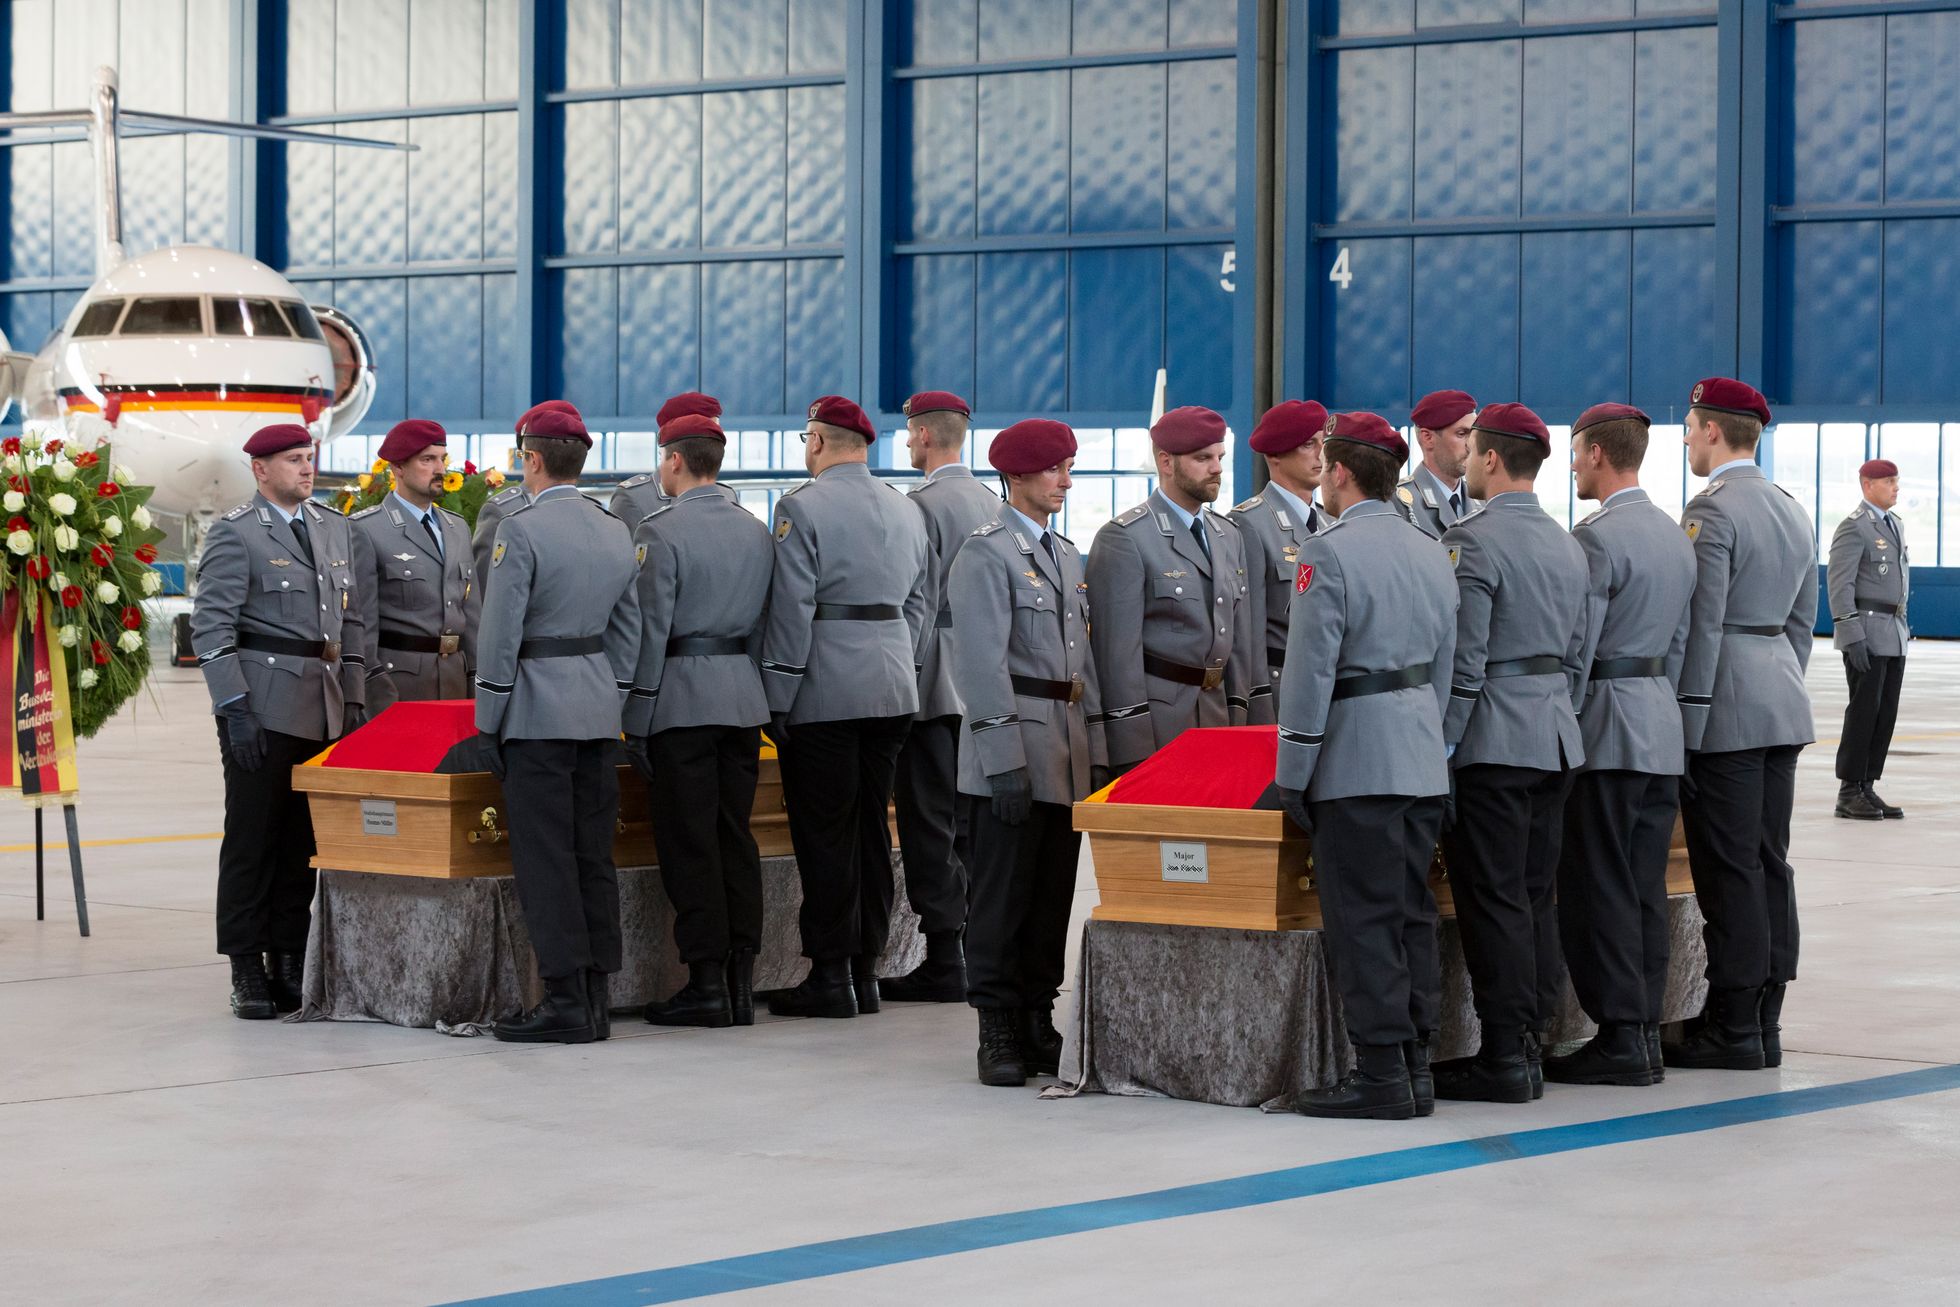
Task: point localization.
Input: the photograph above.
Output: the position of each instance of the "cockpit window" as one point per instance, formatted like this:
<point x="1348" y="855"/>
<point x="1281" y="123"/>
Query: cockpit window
<point x="235" y="316"/>
<point x="177" y="315"/>
<point x="99" y="319"/>
<point x="304" y="322"/>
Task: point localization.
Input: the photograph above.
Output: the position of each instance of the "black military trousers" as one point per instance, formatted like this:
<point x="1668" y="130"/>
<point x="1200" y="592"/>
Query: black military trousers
<point x="1022" y="887"/>
<point x="1612" y="892"/>
<point x="265" y="875"/>
<point x="1738" y="828"/>
<point x="702" y="793"/>
<point x="837" y="782"/>
<point x="1868" y="718"/>
<point x="562" y="797"/>
<point x="1371" y="856"/>
<point x="1503" y="859"/>
<point x="925" y="792"/>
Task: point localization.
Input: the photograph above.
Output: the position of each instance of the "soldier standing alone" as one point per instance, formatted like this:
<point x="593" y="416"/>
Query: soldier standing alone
<point x="1869" y="583"/>
<point x="1274" y="524"/>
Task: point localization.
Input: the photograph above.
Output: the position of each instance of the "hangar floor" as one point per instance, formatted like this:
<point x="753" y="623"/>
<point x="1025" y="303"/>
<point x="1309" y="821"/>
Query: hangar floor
<point x="158" y="1151"/>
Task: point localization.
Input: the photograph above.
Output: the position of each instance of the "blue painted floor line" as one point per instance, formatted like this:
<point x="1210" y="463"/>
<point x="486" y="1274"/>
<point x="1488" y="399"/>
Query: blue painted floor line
<point x="891" y="1247"/>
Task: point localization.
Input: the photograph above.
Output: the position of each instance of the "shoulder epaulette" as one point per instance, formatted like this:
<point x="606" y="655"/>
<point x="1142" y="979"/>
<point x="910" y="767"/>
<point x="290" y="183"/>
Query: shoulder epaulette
<point x="795" y="489"/>
<point x="502" y="495"/>
<point x="988" y="529"/>
<point x="1589" y="518"/>
<point x="635" y="481"/>
<point x="238" y="512"/>
<point x="1710" y="489"/>
<point x="1131" y="515"/>
<point x="1785" y="492"/>
<point x="1253" y="502"/>
<point x="369" y="511"/>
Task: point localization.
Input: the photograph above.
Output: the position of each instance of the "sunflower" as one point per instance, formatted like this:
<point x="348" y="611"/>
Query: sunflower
<point x="452" y="482"/>
<point x="366" y="479"/>
<point x="380" y="465"/>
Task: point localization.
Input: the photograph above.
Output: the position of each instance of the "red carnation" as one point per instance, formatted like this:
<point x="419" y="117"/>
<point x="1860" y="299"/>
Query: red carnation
<point x="11" y="445"/>
<point x="146" y="553"/>
<point x="53" y="446"/>
<point x="469" y="468"/>
<point x="72" y="597"/>
<point x="38" y="568"/>
<point x="132" y="618"/>
<point x="103" y="554"/>
<point x="108" y="490"/>
<point x="100" y="650"/>
<point x="18" y="483"/>
<point x="87" y="458"/>
<point x="19" y="524"/>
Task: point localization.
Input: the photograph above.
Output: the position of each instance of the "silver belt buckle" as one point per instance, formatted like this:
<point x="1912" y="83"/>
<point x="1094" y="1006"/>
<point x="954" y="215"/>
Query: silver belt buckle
<point x="331" y="651"/>
<point x="448" y="644"/>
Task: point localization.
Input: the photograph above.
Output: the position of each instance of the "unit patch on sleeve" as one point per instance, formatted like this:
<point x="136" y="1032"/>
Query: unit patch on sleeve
<point x="1303" y="578"/>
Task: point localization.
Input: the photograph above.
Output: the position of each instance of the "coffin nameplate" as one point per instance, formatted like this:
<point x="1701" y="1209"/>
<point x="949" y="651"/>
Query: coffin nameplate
<point x="1186" y="862"/>
<point x="377" y="817"/>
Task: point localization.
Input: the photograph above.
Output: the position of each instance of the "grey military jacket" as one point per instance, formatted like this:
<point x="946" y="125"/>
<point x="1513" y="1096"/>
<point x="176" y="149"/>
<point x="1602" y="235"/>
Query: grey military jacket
<point x="1373" y="594"/>
<point x="1749" y="628"/>
<point x="253" y="579"/>
<point x="1641" y="577"/>
<point x="1272" y="533"/>
<point x="1521" y="584"/>
<point x="641" y="494"/>
<point x="493" y="511"/>
<point x="845" y="539"/>
<point x="565" y="568"/>
<point x="407" y="588"/>
<point x="955" y="504"/>
<point x="1157" y="595"/>
<point x="1018" y="612"/>
<point x="1868" y="566"/>
<point x="1425" y="500"/>
<point x="705" y="576"/>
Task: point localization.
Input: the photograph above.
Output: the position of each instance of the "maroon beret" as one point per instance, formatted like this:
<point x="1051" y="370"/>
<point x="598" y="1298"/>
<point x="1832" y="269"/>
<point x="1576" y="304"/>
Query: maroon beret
<point x="409" y="438"/>
<point x="277" y="439"/>
<point x="688" y="401"/>
<point x="1514" y="420"/>
<point x="1727" y="395"/>
<point x="564" y="405"/>
<point x="691" y="424"/>
<point x="1031" y="445"/>
<point x="1288" y="426"/>
<point x="837" y="411"/>
<point x="1366" y="429"/>
<point x="1878" y="469"/>
<point x="1188" y="430"/>
<point x="564" y="423"/>
<point x="1599" y="413"/>
<point x="938" y="401"/>
<point x="1441" y="408"/>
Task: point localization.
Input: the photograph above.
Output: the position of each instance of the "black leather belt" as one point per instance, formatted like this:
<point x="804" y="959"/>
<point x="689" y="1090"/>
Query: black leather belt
<point x="562" y="646"/>
<point x="1620" y="669"/>
<point x="329" y="650"/>
<point x="1399" y="678"/>
<point x="859" y="612"/>
<point x="1275" y="657"/>
<point x="1205" y="678"/>
<point x="1542" y="665"/>
<point x="706" y="646"/>
<point x="944" y="619"/>
<point x="1033" y="687"/>
<point x="435" y="644"/>
<point x="1732" y="628"/>
<point x="1873" y="606"/>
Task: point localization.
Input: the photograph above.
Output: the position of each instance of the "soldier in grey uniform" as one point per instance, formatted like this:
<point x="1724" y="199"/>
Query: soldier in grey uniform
<point x="418" y="595"/>
<point x="1173" y="630"/>
<point x="848" y="618"/>
<point x="1512" y="735"/>
<point x="278" y="635"/>
<point x="924" y="790"/>
<point x="642" y="494"/>
<point x="1434" y="496"/>
<point x="1030" y="747"/>
<point x="1273" y="524"/>
<point x="555" y="659"/>
<point x="1619" y="815"/>
<point x="505" y="502"/>
<point x="1869" y="583"/>
<point x="1361" y="769"/>
<point x="692" y="720"/>
<point x="1745" y="716"/>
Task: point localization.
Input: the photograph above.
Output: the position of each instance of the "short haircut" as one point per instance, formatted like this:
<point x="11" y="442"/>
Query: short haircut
<point x="944" y="428"/>
<point x="1521" y="457"/>
<point x="700" y="455"/>
<point x="1738" y="431"/>
<point x="1622" y="440"/>
<point x="1375" y="471"/>
<point x="844" y="436"/>
<point x="563" y="459"/>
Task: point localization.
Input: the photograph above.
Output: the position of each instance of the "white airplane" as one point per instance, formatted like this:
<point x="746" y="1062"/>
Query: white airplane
<point x="180" y="354"/>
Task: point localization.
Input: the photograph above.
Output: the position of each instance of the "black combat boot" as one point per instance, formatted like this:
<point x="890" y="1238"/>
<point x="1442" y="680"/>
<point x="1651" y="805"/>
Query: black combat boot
<point x="1000" y="1057"/>
<point x="599" y="1000"/>
<point x="1422" y="1081"/>
<point x="1769" y="1016"/>
<point x="1041" y="1043"/>
<point x="1654" y="1064"/>
<point x="251" y="999"/>
<point x="286" y="980"/>
<point x="1852" y="803"/>
<point x="1886" y="810"/>
<point x="1499" y="1073"/>
<point x="1617" y="1055"/>
<point x="1377" y="1089"/>
<point x="741" y="986"/>
<point x="825" y="992"/>
<point x="563" y="1018"/>
<point x="1534" y="1063"/>
<point x="864" y="978"/>
<point x="941" y="978"/>
<point x="1729" y="1036"/>
<point x="702" y="1001"/>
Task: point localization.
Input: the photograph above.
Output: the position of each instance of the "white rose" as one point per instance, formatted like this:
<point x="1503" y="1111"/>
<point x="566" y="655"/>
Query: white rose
<point x="107" y="592"/>
<point x="111" y="527"/>
<point x="58" y="582"/>
<point x="70" y="636"/>
<point x="120" y="474"/>
<point x="63" y="470"/>
<point x="15" y="501"/>
<point x="87" y="679"/>
<point x="11" y="463"/>
<point x="130" y="641"/>
<point x="21" y="542"/>
<point x="141" y="516"/>
<point x="63" y="505"/>
<point x="152" y="583"/>
<point x="66" y="538"/>
<point x="30" y="440"/>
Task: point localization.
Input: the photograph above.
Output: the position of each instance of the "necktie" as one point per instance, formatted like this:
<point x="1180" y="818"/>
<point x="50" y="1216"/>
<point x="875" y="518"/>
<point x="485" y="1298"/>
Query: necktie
<point x="1048" y="543"/>
<point x="1456" y="502"/>
<point x="299" y="534"/>
<point x="1313" y="519"/>
<point x="1892" y="529"/>
<point x="1198" y="532"/>
<point x="435" y="536"/>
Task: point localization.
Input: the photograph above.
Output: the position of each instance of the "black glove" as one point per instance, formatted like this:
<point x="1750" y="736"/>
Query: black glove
<point x="245" y="735"/>
<point x="1859" y="657"/>
<point x="779" y="729"/>
<point x="353" y="716"/>
<point x="1098" y="777"/>
<point x="493" y="753"/>
<point x="1013" y="796"/>
<point x="1277" y="798"/>
<point x="636" y="753"/>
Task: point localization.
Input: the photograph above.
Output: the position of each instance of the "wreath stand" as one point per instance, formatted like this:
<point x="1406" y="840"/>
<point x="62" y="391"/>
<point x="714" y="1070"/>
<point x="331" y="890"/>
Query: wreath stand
<point x="74" y="864"/>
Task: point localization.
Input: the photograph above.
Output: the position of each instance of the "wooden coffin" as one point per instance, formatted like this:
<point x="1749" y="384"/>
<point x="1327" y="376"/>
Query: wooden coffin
<point x="1240" y="868"/>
